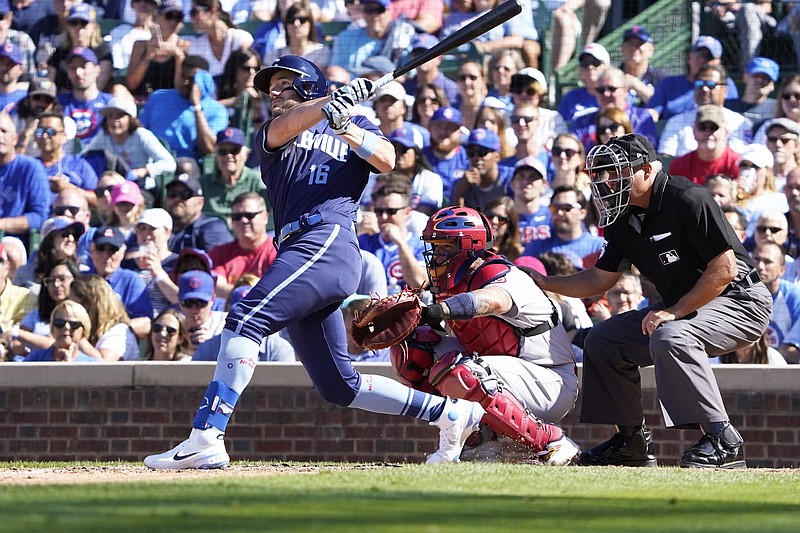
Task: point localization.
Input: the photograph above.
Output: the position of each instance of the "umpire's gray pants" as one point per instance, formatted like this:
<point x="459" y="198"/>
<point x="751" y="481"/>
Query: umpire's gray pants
<point x="679" y="350"/>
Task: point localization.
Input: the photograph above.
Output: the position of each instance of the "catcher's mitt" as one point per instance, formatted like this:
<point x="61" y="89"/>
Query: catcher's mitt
<point x="387" y="321"/>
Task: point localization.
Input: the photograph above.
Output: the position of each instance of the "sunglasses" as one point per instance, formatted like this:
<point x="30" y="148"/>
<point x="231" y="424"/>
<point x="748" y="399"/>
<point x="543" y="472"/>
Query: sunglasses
<point x="50" y="132"/>
<point x="430" y="100"/>
<point x="772" y="229"/>
<point x="699" y="85"/>
<point x="78" y="23"/>
<point x="62" y="210"/>
<point x="160" y="328"/>
<point x="525" y="119"/>
<point x="388" y="211"/>
<point x="350" y="2"/>
<point x="605" y="89"/>
<point x="301" y="20"/>
<point x="706" y="126"/>
<point x="196" y="10"/>
<point x="373" y="10"/>
<point x="107" y="249"/>
<point x="530" y="91"/>
<point x="174" y="16"/>
<point x="500" y="218"/>
<point x="569" y="152"/>
<point x="232" y="151"/>
<point x="790" y="96"/>
<point x="782" y="140"/>
<point x="465" y="77"/>
<point x="564" y="208"/>
<point x="194" y="303"/>
<point x="183" y="194"/>
<point x="590" y="61"/>
<point x="52" y="280"/>
<point x="478" y="152"/>
<point x="248" y="68"/>
<point x="609" y="127"/>
<point x="42" y="98"/>
<point x="237" y="217"/>
<point x="61" y="323"/>
<point x="704" y="53"/>
<point x="101" y="191"/>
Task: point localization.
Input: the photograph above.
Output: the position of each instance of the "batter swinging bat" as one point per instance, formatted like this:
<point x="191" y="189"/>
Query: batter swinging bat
<point x="479" y="26"/>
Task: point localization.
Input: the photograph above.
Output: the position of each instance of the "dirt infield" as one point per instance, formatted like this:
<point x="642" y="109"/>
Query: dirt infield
<point x="70" y="475"/>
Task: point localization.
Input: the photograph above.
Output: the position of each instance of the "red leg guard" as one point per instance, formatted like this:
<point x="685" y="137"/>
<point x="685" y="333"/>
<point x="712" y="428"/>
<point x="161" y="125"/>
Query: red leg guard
<point x="468" y="380"/>
<point x="413" y="358"/>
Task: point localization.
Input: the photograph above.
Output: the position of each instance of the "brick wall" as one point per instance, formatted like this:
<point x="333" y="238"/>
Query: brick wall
<point x="126" y="411"/>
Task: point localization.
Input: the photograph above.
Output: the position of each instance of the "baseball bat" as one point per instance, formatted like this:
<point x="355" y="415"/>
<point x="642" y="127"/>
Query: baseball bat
<point x="477" y="27"/>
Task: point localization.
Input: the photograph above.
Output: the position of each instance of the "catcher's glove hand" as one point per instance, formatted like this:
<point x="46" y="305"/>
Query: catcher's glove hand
<point x="387" y="321"/>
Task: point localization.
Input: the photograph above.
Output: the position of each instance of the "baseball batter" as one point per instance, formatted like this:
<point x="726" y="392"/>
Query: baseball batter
<point x="315" y="160"/>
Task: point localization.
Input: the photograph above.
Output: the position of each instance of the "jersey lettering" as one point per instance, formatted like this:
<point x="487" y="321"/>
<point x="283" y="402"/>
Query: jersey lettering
<point x="336" y="148"/>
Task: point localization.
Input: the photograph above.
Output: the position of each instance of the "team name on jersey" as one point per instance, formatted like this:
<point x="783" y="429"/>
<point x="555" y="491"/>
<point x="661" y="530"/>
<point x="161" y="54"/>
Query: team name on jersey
<point x="335" y="148"/>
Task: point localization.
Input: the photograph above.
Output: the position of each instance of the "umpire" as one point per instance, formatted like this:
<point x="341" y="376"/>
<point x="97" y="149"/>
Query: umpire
<point x="714" y="303"/>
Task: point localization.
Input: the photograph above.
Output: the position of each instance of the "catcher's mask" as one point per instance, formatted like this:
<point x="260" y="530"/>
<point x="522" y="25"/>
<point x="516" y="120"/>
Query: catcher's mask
<point x="454" y="238"/>
<point x="611" y="167"/>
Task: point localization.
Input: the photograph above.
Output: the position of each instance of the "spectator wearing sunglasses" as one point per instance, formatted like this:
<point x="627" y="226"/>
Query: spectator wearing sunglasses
<point x="592" y="60"/>
<point x="759" y="82"/>
<point x="485" y="179"/>
<point x="60" y="237"/>
<point x="569" y="234"/>
<point x="252" y="251"/>
<point x="611" y="122"/>
<point x="195" y="294"/>
<point x="533" y="123"/>
<point x="71" y="327"/>
<point x="788" y="107"/>
<point x="184" y="202"/>
<point x="398" y="249"/>
<point x="301" y="37"/>
<point x="380" y="35"/>
<point x="231" y="177"/>
<point x="675" y="94"/>
<point x="710" y="88"/>
<point x="64" y="170"/>
<point x="41" y="97"/>
<point x="503" y="64"/>
<point x="169" y="339"/>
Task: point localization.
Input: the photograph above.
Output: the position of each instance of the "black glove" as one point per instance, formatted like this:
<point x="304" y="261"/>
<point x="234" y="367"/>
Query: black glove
<point x="433" y="315"/>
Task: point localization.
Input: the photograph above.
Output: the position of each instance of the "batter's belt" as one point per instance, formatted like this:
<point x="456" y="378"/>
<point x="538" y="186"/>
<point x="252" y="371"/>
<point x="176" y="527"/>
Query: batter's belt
<point x="309" y="220"/>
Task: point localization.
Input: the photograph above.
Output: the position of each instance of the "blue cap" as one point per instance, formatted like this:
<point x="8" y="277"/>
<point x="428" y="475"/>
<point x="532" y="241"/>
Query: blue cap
<point x="85" y="53"/>
<point x="231" y="136"/>
<point x="637" y="32"/>
<point x="5" y="6"/>
<point x="12" y="52"/>
<point x="238" y="294"/>
<point x="196" y="285"/>
<point x="82" y="12"/>
<point x="710" y="44"/>
<point x="485" y="138"/>
<point x="447" y="114"/>
<point x="109" y="235"/>
<point x="764" y="65"/>
<point x="61" y="223"/>
<point x="404" y="136"/>
<point x="423" y="40"/>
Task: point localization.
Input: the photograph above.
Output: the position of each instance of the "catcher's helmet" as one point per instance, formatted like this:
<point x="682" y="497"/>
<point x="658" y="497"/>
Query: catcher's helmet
<point x="310" y="82"/>
<point x="455" y="237"/>
<point x="612" y="167"/>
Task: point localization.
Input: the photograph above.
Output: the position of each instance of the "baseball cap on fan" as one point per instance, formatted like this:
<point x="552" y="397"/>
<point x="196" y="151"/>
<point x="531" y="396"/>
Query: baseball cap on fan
<point x="196" y="285"/>
<point x="710" y="44"/>
<point x="597" y="51"/>
<point x="637" y="32"/>
<point x="12" y="52"/>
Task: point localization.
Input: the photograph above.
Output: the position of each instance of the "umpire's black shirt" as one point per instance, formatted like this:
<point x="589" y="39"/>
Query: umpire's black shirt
<point x="672" y="241"/>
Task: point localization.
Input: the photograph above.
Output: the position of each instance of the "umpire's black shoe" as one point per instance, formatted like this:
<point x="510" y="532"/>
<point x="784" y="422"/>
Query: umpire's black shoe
<point x="630" y="446"/>
<point x="725" y="450"/>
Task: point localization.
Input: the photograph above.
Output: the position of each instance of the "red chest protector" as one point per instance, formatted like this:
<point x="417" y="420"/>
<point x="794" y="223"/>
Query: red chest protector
<point x="486" y="335"/>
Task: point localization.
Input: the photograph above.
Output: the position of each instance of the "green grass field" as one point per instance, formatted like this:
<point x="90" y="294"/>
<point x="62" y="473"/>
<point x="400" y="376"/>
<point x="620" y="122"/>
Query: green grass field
<point x="414" y="498"/>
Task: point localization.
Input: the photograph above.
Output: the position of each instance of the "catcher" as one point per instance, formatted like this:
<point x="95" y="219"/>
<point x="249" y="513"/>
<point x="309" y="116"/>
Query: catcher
<point x="504" y="347"/>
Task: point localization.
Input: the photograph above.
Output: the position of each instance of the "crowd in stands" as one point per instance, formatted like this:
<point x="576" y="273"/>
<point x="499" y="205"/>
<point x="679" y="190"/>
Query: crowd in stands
<point x="133" y="212"/>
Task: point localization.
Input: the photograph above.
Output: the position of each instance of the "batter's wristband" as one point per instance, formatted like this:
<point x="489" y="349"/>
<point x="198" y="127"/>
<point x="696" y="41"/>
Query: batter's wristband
<point x="368" y="145"/>
<point x="462" y="306"/>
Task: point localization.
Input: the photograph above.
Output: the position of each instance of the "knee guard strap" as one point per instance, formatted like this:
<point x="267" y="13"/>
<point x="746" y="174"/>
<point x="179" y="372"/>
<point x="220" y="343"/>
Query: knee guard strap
<point x="469" y="379"/>
<point x="217" y="407"/>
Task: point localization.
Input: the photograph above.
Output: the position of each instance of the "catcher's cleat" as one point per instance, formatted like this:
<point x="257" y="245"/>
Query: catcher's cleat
<point x="457" y="421"/>
<point x="194" y="452"/>
<point x="628" y="447"/>
<point x="725" y="450"/>
<point x="561" y="452"/>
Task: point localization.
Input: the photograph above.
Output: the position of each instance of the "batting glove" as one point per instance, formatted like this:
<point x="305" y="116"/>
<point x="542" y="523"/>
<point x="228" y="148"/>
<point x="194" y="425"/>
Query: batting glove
<point x="357" y="91"/>
<point x="338" y="115"/>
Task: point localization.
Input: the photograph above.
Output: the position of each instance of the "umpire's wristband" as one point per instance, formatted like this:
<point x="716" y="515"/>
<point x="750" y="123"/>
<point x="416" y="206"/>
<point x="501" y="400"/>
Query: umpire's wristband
<point x="433" y="315"/>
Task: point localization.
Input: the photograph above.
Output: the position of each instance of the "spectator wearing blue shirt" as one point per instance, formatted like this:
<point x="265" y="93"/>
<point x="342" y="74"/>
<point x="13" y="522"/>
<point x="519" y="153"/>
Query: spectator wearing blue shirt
<point x="10" y="71"/>
<point x="570" y="237"/>
<point x="24" y="192"/>
<point x="593" y="59"/>
<point x="529" y="184"/>
<point x="445" y="154"/>
<point x="485" y="179"/>
<point x="84" y="102"/>
<point x="188" y="117"/>
<point x="108" y="250"/>
<point x="675" y="94"/>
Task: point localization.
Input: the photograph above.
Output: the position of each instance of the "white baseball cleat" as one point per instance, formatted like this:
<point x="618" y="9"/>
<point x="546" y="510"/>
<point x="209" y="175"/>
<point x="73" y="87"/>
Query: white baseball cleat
<point x="203" y="450"/>
<point x="560" y="452"/>
<point x="459" y="419"/>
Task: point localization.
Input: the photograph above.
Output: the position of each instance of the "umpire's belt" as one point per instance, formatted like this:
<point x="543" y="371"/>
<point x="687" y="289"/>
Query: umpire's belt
<point x="309" y="220"/>
<point x="746" y="282"/>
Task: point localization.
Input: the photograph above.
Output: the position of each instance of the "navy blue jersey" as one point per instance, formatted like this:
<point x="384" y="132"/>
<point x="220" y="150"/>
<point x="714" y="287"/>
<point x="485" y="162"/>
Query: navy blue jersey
<point x="314" y="172"/>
